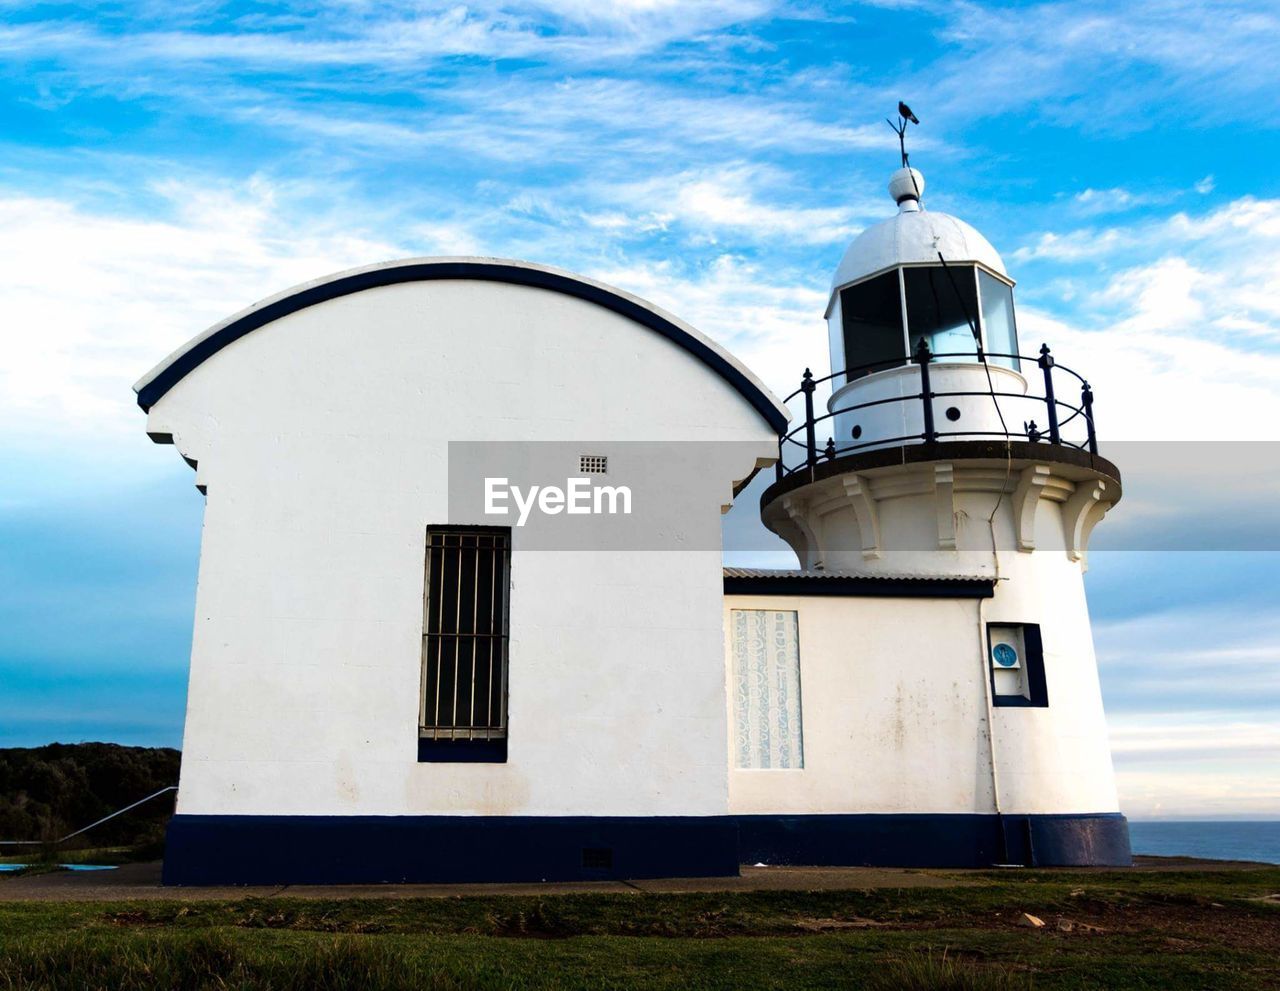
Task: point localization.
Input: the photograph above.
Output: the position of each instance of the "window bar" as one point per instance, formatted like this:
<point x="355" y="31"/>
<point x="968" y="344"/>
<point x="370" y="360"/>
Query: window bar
<point x="979" y="331"/>
<point x="457" y="640"/>
<point x="458" y="712"/>
<point x="475" y="636"/>
<point x="493" y="629"/>
<point x="902" y="302"/>
<point x="439" y="541"/>
<point x="501" y="569"/>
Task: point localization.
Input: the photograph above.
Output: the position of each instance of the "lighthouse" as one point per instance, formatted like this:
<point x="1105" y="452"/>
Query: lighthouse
<point x="937" y="453"/>
<point x="398" y="675"/>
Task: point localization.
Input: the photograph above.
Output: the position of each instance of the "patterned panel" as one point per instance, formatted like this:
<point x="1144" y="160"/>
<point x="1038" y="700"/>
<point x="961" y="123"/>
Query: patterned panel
<point x="766" y="688"/>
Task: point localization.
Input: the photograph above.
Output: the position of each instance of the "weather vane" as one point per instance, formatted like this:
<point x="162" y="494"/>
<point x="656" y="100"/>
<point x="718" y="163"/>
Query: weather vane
<point x="905" y="116"/>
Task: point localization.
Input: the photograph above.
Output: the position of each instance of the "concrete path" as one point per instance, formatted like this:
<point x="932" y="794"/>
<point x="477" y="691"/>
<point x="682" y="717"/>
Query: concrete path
<point x="142" y="882"/>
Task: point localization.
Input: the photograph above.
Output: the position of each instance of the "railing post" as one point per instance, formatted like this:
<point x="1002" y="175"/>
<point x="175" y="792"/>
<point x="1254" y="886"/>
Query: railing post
<point x="778" y="470"/>
<point x="1086" y="403"/>
<point x="1046" y="363"/>
<point x="807" y="385"/>
<point x="829" y="452"/>
<point x="922" y="358"/>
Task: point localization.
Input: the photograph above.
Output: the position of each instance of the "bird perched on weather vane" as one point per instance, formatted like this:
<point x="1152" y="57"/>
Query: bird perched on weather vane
<point x="905" y="116"/>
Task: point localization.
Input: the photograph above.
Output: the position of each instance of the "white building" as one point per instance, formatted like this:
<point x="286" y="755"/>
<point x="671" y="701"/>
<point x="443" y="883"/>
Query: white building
<point x="393" y="680"/>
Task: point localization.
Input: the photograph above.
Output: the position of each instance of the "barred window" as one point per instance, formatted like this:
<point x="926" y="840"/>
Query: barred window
<point x="464" y="640"/>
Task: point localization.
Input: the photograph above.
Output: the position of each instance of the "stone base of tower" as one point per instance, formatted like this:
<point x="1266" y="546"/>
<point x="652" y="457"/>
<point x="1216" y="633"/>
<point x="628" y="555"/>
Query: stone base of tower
<point x="935" y="840"/>
<point x="220" y="850"/>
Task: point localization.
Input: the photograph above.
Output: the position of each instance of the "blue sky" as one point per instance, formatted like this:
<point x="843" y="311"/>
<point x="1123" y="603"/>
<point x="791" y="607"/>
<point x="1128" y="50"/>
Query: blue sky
<point x="165" y="164"/>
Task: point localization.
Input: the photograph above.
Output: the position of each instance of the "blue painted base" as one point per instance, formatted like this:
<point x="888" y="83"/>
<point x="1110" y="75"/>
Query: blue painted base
<point x="202" y="849"/>
<point x="1100" y="840"/>
<point x="442" y="849"/>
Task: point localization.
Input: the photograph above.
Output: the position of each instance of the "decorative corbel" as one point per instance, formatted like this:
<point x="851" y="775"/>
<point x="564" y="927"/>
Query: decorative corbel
<point x="741" y="483"/>
<point x="1081" y="513"/>
<point x="161" y="433"/>
<point x="858" y="491"/>
<point x="1026" y="497"/>
<point x="944" y="488"/>
<point x="797" y="513"/>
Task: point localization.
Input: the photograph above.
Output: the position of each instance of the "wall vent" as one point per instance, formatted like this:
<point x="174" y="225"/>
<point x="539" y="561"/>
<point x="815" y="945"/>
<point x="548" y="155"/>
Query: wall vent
<point x="593" y="464"/>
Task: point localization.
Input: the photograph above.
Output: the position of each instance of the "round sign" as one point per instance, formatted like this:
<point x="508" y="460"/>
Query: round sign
<point x="1005" y="655"/>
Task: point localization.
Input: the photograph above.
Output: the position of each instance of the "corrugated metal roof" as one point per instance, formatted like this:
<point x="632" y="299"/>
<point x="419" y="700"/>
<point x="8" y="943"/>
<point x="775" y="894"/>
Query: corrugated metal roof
<point x="776" y="581"/>
<point x="846" y="575"/>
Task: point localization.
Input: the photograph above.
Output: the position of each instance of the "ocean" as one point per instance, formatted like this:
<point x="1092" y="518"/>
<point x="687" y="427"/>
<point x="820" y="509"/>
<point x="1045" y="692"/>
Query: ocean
<point x="1213" y="840"/>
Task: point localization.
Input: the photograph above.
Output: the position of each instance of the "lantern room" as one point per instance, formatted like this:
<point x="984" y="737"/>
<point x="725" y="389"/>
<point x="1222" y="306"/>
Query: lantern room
<point x="922" y="284"/>
<point x="920" y="276"/>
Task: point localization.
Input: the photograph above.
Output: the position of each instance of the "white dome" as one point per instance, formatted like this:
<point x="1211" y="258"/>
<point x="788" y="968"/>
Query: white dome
<point x="914" y="236"/>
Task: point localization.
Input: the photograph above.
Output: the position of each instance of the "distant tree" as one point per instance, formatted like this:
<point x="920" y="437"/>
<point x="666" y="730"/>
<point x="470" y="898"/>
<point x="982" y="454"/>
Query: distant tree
<point x="47" y="792"/>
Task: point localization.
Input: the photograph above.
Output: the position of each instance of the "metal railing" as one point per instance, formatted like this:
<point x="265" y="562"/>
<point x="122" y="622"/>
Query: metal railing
<point x="1058" y="413"/>
<point x="99" y="822"/>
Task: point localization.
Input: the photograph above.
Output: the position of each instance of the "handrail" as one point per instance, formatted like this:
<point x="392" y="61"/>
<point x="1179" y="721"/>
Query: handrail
<point x="86" y="829"/>
<point x="923" y="357"/>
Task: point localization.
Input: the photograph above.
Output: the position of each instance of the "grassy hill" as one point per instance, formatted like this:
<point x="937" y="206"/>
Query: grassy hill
<point x="47" y="792"/>
<point x="1126" y="930"/>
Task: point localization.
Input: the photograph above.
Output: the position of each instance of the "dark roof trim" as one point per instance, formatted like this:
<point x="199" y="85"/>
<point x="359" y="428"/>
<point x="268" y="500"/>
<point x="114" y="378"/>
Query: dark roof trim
<point x="860" y="585"/>
<point x="490" y="271"/>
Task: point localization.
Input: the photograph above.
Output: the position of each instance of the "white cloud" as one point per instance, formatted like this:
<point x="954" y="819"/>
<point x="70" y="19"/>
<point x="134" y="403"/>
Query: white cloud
<point x="92" y="300"/>
<point x="1196" y="764"/>
<point x="1211" y="736"/>
<point x="723" y="202"/>
<point x="1094" y="64"/>
<point x="1152" y="384"/>
<point x="1073" y="246"/>
<point x="1208" y="791"/>
<point x="600" y="123"/>
<point x="1199" y="651"/>
<point x="1191" y="697"/>
<point x="391" y="36"/>
<point x="1092" y="202"/>
<point x="603" y="85"/>
<point x="1116" y="196"/>
<point x="95" y="298"/>
<point x="742" y="200"/>
<point x="1176" y="320"/>
<point x="1119" y="199"/>
<point x="773" y="325"/>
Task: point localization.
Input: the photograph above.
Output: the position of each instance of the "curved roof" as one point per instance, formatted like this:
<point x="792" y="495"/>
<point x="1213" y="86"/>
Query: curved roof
<point x="152" y="386"/>
<point x="914" y="236"/>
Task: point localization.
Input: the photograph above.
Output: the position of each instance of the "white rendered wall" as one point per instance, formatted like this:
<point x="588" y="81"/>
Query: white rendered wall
<point x="904" y="418"/>
<point x="894" y="714"/>
<point x="322" y="440"/>
<point x="891" y="710"/>
<point x="931" y="519"/>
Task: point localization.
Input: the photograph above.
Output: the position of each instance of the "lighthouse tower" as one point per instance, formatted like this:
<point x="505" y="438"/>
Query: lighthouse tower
<point x="938" y="454"/>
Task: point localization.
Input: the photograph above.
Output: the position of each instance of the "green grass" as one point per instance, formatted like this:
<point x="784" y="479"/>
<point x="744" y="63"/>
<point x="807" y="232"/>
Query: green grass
<point x="204" y="959"/>
<point x="1136" y="930"/>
